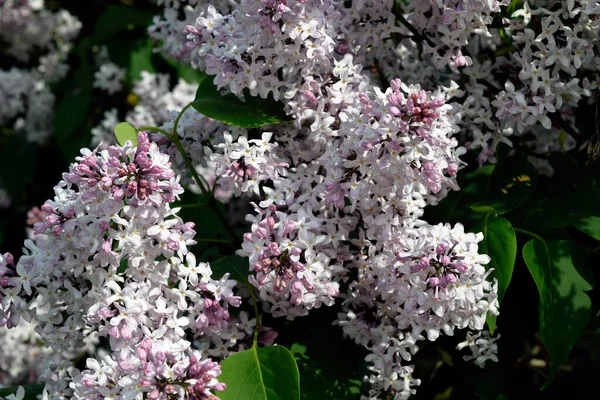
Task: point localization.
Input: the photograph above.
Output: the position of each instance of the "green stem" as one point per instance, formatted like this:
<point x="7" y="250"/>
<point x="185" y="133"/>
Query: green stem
<point x="526" y="232"/>
<point x="186" y="159"/>
<point x="153" y="128"/>
<point x="188" y="163"/>
<point x="256" y="315"/>
<point x="179" y="117"/>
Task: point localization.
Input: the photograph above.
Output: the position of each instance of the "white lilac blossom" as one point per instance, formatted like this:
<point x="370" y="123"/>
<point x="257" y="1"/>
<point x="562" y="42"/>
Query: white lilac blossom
<point x="28" y="29"/>
<point x="248" y="48"/>
<point x="483" y="347"/>
<point x="348" y="181"/>
<point x="28" y="104"/>
<point x="449" y="25"/>
<point x="430" y="280"/>
<point x="551" y="64"/>
<point x="168" y="29"/>
<point x="157" y="99"/>
<point x="116" y="264"/>
<point x="243" y="164"/>
<point x="389" y="157"/>
<point x="109" y="78"/>
<point x="20" y="354"/>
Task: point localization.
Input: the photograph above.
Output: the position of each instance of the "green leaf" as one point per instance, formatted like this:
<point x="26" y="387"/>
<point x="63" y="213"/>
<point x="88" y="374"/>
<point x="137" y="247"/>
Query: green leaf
<point x="512" y="183"/>
<point x="237" y="267"/>
<point x="124" y="131"/>
<point x="561" y="273"/>
<point x="322" y="381"/>
<point x="31" y="391"/>
<point x="252" y="113"/>
<point x="500" y="243"/>
<point x="140" y="59"/>
<point x="578" y="209"/>
<point x="266" y="373"/>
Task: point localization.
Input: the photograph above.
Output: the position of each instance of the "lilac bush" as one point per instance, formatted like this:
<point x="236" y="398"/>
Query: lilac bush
<point x="337" y="130"/>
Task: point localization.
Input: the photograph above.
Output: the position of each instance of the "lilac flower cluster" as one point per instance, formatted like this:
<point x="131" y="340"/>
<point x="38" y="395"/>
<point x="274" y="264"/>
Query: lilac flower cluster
<point x="449" y="25"/>
<point x="346" y="185"/>
<point x="115" y="265"/>
<point x="427" y="281"/>
<point x="28" y="29"/>
<point x="515" y="73"/>
<point x="342" y="189"/>
<point x="283" y="48"/>
<point x="168" y="29"/>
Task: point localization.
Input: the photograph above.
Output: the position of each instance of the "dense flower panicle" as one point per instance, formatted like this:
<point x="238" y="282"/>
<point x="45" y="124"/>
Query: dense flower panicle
<point x="429" y="281"/>
<point x="28" y="29"/>
<point x="21" y="354"/>
<point x="550" y="66"/>
<point x="158" y="367"/>
<point x="358" y="161"/>
<point x="284" y="48"/>
<point x="28" y="104"/>
<point x="115" y="263"/>
<point x="386" y="160"/>
<point x="168" y="30"/>
<point x="449" y="25"/>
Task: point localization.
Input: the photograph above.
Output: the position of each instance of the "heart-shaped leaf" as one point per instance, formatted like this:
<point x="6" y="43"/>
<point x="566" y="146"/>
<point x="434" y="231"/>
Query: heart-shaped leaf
<point x="561" y="273"/>
<point x="124" y="131"/>
<point x="266" y="373"/>
<point x="500" y="243"/>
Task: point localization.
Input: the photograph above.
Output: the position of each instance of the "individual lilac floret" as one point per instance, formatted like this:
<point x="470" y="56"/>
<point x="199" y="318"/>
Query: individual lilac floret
<point x="482" y="345"/>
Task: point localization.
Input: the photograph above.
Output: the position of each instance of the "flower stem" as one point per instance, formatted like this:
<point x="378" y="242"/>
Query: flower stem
<point x="152" y="128"/>
<point x="526" y="232"/>
<point x="186" y="159"/>
<point x="256" y="314"/>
